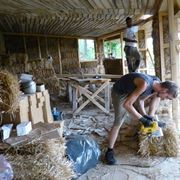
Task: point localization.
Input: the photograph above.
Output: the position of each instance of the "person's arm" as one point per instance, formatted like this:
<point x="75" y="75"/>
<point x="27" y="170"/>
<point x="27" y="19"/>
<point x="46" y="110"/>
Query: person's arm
<point x="141" y="86"/>
<point x="140" y="103"/>
<point x="153" y="105"/>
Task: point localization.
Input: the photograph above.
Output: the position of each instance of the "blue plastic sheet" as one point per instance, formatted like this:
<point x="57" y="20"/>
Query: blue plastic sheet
<point x="83" y="151"/>
<point x="6" y="172"/>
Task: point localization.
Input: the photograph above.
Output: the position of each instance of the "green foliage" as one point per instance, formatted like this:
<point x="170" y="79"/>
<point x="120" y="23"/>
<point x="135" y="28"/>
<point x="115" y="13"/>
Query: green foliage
<point x="112" y="47"/>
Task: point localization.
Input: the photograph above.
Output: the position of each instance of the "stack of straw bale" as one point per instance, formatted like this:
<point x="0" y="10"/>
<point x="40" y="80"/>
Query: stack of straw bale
<point x="9" y="92"/>
<point x="160" y="146"/>
<point x="47" y="75"/>
<point x="40" y="160"/>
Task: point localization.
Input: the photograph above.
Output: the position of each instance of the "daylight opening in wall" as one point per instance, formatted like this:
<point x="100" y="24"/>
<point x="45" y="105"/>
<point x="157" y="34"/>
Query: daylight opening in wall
<point x="86" y="49"/>
<point x="112" y="49"/>
<point x="150" y="56"/>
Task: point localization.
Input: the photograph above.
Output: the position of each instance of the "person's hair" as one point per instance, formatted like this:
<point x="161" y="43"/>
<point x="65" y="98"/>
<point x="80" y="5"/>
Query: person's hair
<point x="128" y="18"/>
<point x="172" y="88"/>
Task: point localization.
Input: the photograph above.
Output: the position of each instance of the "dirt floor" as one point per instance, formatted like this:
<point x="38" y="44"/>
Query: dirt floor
<point x="130" y="165"/>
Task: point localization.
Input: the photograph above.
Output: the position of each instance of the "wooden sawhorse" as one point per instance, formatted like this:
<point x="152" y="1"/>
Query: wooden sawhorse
<point x="80" y="89"/>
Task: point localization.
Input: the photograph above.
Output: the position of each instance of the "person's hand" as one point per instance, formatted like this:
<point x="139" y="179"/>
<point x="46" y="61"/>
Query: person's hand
<point x="151" y="118"/>
<point x="146" y="122"/>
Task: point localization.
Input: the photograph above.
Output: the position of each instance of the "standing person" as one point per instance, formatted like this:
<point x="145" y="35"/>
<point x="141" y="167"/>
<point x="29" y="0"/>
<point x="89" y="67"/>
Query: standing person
<point x="132" y="55"/>
<point x="136" y="87"/>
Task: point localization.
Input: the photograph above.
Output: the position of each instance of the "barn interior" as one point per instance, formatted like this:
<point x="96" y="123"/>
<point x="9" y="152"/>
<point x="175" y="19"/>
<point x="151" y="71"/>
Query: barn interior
<point x="58" y="63"/>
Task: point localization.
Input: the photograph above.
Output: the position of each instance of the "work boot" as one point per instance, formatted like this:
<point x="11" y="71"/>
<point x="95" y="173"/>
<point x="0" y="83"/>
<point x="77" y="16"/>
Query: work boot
<point x="109" y="156"/>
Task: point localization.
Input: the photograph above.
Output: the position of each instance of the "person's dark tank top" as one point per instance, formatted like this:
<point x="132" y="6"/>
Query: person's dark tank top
<point x="125" y="85"/>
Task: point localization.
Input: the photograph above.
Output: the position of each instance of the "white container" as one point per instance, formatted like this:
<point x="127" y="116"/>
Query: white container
<point x="24" y="128"/>
<point x="40" y="87"/>
<point x="6" y="131"/>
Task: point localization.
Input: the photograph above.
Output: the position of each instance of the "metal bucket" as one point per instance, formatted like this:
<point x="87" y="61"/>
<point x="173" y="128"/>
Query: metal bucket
<point x="29" y="87"/>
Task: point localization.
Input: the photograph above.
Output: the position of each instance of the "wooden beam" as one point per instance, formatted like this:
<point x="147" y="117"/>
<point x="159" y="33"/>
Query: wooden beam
<point x="44" y="35"/>
<point x="174" y="59"/>
<point x="39" y="48"/>
<point x="25" y="47"/>
<point x="161" y="47"/>
<point x="109" y="76"/>
<point x="122" y="52"/>
<point x="99" y="51"/>
<point x="59" y="55"/>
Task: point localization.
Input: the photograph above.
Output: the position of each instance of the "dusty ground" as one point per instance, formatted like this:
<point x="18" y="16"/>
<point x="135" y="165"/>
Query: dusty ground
<point x="131" y="166"/>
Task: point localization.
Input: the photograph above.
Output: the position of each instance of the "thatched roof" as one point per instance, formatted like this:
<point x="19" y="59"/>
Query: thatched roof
<point x="71" y="17"/>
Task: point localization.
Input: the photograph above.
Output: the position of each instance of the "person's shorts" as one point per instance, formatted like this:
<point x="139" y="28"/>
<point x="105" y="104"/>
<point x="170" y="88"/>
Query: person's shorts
<point x="119" y="111"/>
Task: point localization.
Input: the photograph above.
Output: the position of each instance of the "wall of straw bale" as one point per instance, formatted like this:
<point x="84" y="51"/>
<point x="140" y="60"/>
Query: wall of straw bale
<point x="52" y="44"/>
<point x="43" y="47"/>
<point x="69" y="55"/>
<point x="63" y="50"/>
<point x="14" y="44"/>
<point x="2" y="45"/>
<point x="32" y="47"/>
<point x="167" y="60"/>
<point x="89" y="67"/>
<point x="142" y="45"/>
<point x="165" y="24"/>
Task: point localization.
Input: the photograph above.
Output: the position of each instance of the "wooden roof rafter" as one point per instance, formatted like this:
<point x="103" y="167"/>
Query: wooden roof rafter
<point x="71" y="17"/>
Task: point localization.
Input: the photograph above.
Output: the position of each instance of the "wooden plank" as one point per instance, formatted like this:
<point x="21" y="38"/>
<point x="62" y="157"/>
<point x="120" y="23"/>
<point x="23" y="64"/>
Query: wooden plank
<point x="89" y="80"/>
<point x="59" y="54"/>
<point x="47" y="114"/>
<point x="161" y="47"/>
<point x="45" y="35"/>
<point x="108" y="76"/>
<point x="74" y="97"/>
<point x="107" y="97"/>
<point x="39" y="48"/>
<point x="174" y="59"/>
<point x="122" y="52"/>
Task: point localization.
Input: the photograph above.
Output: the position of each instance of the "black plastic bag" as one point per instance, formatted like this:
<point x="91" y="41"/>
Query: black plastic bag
<point x="83" y="151"/>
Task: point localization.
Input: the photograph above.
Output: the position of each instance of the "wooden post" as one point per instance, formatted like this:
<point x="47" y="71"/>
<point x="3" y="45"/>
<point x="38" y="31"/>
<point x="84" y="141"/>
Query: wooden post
<point x="156" y="45"/>
<point x="24" y="41"/>
<point x="122" y="52"/>
<point x="173" y="57"/>
<point x="47" y="52"/>
<point x="161" y="47"/>
<point x="99" y="51"/>
<point x="39" y="48"/>
<point x="59" y="54"/>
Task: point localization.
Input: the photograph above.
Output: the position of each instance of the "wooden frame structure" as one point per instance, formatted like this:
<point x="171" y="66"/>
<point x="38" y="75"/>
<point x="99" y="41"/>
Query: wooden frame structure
<point x="80" y="90"/>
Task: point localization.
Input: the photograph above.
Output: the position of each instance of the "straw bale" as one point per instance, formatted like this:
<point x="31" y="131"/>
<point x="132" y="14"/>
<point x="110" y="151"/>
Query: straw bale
<point x="40" y="160"/>
<point x="49" y="78"/>
<point x="9" y="92"/>
<point x="160" y="146"/>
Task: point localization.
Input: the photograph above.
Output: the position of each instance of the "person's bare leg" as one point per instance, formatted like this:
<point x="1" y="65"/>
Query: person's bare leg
<point x="113" y="136"/>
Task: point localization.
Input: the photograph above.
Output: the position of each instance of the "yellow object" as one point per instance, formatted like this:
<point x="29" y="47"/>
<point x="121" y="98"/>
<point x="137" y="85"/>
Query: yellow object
<point x="149" y="130"/>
